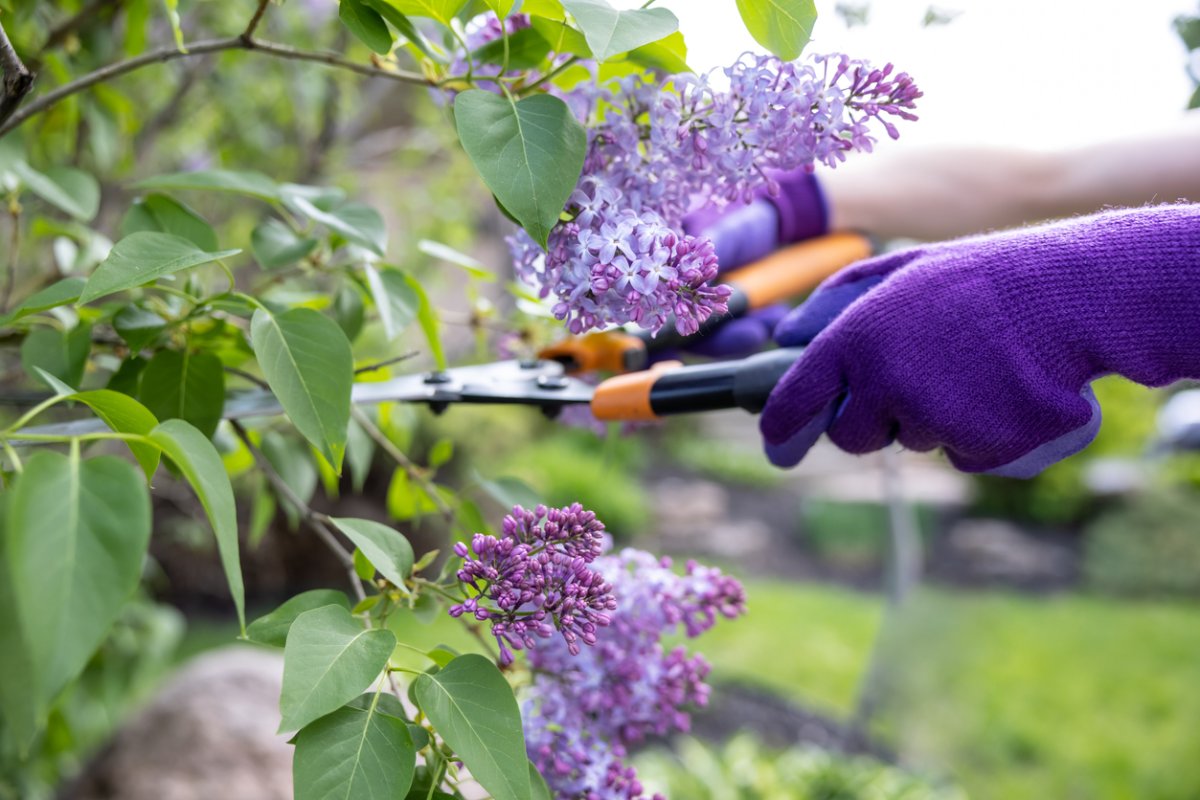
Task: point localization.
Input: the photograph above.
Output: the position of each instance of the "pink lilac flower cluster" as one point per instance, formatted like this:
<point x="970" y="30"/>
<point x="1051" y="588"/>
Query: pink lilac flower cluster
<point x="585" y="709"/>
<point x="654" y="148"/>
<point x="535" y="579"/>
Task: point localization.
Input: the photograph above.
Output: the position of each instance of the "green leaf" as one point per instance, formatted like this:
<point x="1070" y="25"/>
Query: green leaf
<point x="359" y="751"/>
<point x="172" y="8"/>
<point x="347" y="310"/>
<point x="364" y="569"/>
<point x="395" y="299"/>
<point x="781" y="26"/>
<point x="275" y="245"/>
<point x="386" y="548"/>
<point x="441" y="452"/>
<point x="448" y="254"/>
<point x="328" y="660"/>
<point x="67" y="189"/>
<point x="273" y="628"/>
<point x="406" y="499"/>
<point x="561" y="36"/>
<point x="56" y="294"/>
<point x="358" y="223"/>
<point x="529" y="153"/>
<point x="201" y="465"/>
<point x="123" y="414"/>
<point x="441" y="10"/>
<point x="251" y="184"/>
<point x="366" y="25"/>
<point x="526" y="49"/>
<point x="360" y="453"/>
<point x="184" y="385"/>
<point x="63" y="354"/>
<point x="610" y="32"/>
<point x="472" y="706"/>
<point x="307" y="362"/>
<point x="76" y="538"/>
<point x="538" y="784"/>
<point x="428" y="320"/>
<point x="141" y="257"/>
<point x="502" y="8"/>
<point x="294" y="461"/>
<point x="138" y="327"/>
<point x="443" y="655"/>
<point x="668" y="55"/>
<point x="157" y="212"/>
<point x="401" y="23"/>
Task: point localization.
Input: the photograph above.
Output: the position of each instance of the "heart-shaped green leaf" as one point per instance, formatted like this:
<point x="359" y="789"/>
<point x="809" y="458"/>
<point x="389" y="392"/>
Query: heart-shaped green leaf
<point x="184" y="385"/>
<point x="308" y="364"/>
<point x="328" y="660"/>
<point x="76" y="536"/>
<point x="386" y="548"/>
<point x="472" y="706"/>
<point x="68" y="189"/>
<point x="157" y="212"/>
<point x="529" y="153"/>
<point x="366" y="25"/>
<point x="359" y="751"/>
<point x="273" y="628"/>
<point x="201" y="465"/>
<point x="781" y="26"/>
<point x="610" y="32"/>
<point x="142" y="257"/>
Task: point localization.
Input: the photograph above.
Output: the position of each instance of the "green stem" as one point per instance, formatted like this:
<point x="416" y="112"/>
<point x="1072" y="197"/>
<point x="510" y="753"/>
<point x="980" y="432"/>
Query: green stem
<point x="14" y="458"/>
<point x="549" y="76"/>
<point x="25" y="418"/>
<point x="86" y="437"/>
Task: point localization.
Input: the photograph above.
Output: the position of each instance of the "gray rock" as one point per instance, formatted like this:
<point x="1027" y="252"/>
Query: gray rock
<point x="208" y="733"/>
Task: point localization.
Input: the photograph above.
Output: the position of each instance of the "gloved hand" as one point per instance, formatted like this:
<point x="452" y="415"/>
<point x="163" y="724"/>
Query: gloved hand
<point x="986" y="346"/>
<point x="741" y="234"/>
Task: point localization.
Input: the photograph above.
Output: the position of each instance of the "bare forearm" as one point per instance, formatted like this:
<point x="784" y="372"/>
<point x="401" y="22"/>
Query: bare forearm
<point x="947" y="192"/>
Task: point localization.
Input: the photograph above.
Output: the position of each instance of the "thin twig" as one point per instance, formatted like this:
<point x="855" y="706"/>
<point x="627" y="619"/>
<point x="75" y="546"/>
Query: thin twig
<point x="387" y="363"/>
<point x="18" y="80"/>
<point x="14" y="247"/>
<point x="248" y="34"/>
<point x="315" y="519"/>
<point x="403" y="461"/>
<point x="203" y="47"/>
<point x="241" y="373"/>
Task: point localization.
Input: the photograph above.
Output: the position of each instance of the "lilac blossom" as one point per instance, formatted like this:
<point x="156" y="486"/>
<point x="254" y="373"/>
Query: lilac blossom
<point x="654" y="148"/>
<point x="535" y="579"/>
<point x="585" y="709"/>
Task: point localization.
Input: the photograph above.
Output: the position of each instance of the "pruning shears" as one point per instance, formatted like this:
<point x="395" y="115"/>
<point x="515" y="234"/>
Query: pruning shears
<point x="637" y="393"/>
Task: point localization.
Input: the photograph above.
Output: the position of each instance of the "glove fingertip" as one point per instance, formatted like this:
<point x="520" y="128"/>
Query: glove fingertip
<point x="792" y="450"/>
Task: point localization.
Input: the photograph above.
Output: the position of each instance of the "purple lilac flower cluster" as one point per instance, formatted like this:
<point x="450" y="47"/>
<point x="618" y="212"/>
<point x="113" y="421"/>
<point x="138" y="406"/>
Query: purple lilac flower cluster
<point x="585" y="709"/>
<point x="535" y="578"/>
<point x="654" y="148"/>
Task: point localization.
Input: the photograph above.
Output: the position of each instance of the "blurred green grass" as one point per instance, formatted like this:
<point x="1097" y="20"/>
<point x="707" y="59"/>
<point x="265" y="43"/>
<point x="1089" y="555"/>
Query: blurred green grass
<point x="1013" y="697"/>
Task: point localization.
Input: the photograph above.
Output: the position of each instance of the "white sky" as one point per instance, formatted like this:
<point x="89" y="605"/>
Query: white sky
<point x="1034" y="73"/>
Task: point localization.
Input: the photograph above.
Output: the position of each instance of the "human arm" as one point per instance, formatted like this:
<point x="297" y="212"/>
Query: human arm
<point x="940" y="193"/>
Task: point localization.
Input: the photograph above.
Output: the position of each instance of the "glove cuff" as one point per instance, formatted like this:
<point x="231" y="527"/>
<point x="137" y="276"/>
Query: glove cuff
<point x="803" y="209"/>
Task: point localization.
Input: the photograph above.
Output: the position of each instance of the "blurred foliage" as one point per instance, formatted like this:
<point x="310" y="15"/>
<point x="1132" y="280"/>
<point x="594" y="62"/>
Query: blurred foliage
<point x="855" y="535"/>
<point x="720" y="459"/>
<point x="743" y="769"/>
<point x="1188" y="28"/>
<point x="603" y="474"/>
<point x="1148" y="546"/>
<point x="137" y="653"/>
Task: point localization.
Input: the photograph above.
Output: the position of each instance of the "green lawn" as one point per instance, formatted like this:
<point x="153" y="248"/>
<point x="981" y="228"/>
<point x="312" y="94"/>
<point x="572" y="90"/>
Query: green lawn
<point x="1071" y="697"/>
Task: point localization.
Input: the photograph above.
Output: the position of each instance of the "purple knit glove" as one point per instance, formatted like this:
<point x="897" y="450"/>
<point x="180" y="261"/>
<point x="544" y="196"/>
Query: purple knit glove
<point x="742" y="234"/>
<point x="986" y="346"/>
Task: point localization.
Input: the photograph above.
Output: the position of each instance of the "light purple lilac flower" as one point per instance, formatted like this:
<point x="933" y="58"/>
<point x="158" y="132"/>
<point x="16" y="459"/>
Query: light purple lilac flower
<point x="535" y="579"/>
<point x="585" y="709"/>
<point x="655" y="148"/>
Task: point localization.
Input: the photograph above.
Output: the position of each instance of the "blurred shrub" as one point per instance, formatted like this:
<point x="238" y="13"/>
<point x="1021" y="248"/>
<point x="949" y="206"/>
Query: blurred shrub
<point x="1148" y="546"/>
<point x="1059" y="495"/>
<point x="854" y="535"/>
<point x="721" y="460"/>
<point x="568" y="465"/>
<point x="744" y="770"/>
